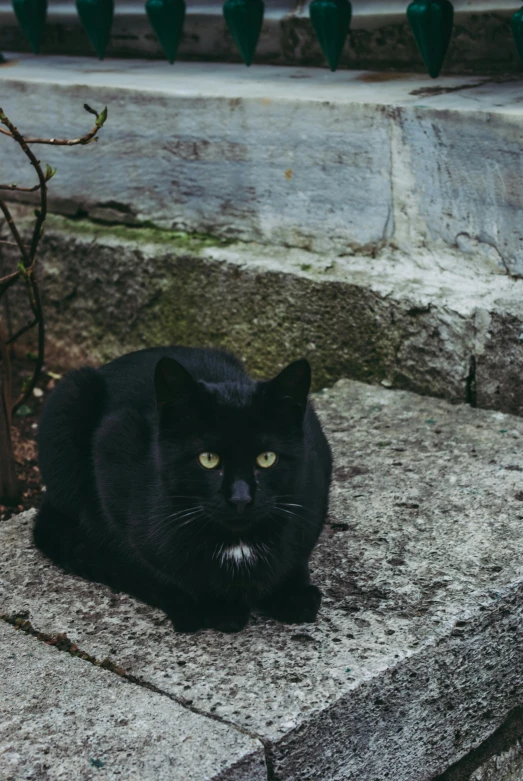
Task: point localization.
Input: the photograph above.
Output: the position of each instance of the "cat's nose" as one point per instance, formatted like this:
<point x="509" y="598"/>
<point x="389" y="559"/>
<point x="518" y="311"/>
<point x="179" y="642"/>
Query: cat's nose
<point x="240" y="495"/>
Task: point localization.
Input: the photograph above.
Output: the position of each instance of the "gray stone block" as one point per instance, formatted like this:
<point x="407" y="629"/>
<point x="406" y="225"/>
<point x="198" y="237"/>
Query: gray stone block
<point x="417" y="653"/>
<point x="344" y="162"/>
<point x="62" y="718"/>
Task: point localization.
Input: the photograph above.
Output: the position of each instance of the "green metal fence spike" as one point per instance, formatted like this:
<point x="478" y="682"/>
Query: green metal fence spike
<point x="331" y="22"/>
<point x="31" y="16"/>
<point x="431" y="22"/>
<point x="167" y="18"/>
<point x="96" y="17"/>
<point x="516" y="24"/>
<point x="244" y="19"/>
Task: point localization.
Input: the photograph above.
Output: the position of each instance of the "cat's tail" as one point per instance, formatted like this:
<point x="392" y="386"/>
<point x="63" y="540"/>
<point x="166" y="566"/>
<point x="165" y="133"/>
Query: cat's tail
<point x="69" y="420"/>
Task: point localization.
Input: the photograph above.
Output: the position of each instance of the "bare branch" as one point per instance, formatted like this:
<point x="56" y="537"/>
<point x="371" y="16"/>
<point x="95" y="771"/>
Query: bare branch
<point x="42" y="213"/>
<point x="19" y="189"/>
<point x="22" y="331"/>
<point x="8" y="281"/>
<point x="82" y="140"/>
<point x="39" y="317"/>
<point x="90" y="110"/>
<point x="16" y="235"/>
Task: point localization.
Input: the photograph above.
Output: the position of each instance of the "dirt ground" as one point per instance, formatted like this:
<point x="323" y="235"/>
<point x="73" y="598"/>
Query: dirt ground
<point x="24" y="432"/>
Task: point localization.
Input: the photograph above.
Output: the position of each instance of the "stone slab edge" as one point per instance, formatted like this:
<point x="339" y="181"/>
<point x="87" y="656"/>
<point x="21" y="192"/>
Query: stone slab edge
<point x="500" y="758"/>
<point x="455" y="690"/>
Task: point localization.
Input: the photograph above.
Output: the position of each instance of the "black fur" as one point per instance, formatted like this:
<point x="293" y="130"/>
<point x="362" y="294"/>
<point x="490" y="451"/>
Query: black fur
<point x="129" y="504"/>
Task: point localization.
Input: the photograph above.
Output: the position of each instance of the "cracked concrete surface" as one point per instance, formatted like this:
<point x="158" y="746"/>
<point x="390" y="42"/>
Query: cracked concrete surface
<point x="417" y="654"/>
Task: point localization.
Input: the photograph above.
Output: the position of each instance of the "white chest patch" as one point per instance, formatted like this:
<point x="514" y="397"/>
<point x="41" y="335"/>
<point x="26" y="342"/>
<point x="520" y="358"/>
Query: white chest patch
<point x="238" y="554"/>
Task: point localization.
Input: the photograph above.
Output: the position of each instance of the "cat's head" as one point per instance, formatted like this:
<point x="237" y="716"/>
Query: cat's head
<point x="231" y="452"/>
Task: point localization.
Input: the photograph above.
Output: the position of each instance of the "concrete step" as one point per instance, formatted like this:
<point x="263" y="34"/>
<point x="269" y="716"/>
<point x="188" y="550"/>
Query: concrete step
<point x="61" y="717"/>
<point x="416" y="657"/>
<point x="435" y="323"/>
<point x="346" y="161"/>
<point x="369" y="221"/>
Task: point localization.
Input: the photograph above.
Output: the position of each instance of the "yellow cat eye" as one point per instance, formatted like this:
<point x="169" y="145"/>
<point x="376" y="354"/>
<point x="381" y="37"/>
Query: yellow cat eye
<point x="265" y="460"/>
<point x="209" y="460"/>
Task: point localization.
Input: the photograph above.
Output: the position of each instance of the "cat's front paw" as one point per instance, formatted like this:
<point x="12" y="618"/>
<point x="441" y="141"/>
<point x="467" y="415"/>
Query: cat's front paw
<point x="227" y="618"/>
<point x="187" y="621"/>
<point x="296" y="606"/>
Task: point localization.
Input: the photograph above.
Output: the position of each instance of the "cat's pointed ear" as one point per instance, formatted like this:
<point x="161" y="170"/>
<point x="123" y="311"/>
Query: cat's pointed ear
<point x="172" y="382"/>
<point x="293" y="383"/>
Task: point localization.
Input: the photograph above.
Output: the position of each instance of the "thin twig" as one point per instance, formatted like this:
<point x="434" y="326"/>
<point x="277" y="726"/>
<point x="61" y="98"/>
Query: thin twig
<point x="20" y="189"/>
<point x="42" y="212"/>
<point x="14" y="231"/>
<point x="40" y="349"/>
<point x="87" y="139"/>
<point x="22" y="331"/>
<point x="6" y="282"/>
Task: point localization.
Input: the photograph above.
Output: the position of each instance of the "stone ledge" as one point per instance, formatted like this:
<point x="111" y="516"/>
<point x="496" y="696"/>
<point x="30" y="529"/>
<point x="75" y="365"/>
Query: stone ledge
<point x="417" y="654"/>
<point x="435" y="323"/>
<point x="63" y="719"/>
<point x="340" y="162"/>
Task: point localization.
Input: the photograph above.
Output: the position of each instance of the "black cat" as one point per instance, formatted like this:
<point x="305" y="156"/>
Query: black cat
<point x="173" y="476"/>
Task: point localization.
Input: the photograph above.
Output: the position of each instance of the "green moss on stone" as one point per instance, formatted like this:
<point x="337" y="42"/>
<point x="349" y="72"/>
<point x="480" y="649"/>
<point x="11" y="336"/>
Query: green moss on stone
<point x="145" y="233"/>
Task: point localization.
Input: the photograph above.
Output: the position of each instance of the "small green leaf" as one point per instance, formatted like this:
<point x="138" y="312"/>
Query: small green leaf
<point x="49" y="172"/>
<point x="32" y="356"/>
<point x="102" y="116"/>
<point x="23" y="410"/>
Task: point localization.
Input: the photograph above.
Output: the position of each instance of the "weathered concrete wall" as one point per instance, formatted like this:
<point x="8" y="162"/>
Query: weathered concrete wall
<point x="373" y="226"/>
<point x="452" y="331"/>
